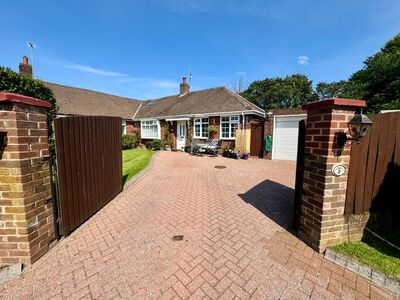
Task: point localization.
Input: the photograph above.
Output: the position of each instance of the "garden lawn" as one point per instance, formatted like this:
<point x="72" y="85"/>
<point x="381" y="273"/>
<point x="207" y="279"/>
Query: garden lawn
<point x="374" y="253"/>
<point x="134" y="161"/>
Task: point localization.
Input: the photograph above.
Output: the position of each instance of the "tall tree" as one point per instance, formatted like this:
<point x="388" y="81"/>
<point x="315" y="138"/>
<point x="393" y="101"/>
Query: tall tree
<point x="379" y="79"/>
<point x="342" y="88"/>
<point x="290" y="91"/>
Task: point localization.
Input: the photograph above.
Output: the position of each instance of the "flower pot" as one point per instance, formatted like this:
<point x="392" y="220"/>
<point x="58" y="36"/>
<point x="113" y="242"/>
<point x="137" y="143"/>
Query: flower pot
<point x="245" y="156"/>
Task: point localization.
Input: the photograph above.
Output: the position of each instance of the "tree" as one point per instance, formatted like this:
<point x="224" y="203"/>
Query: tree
<point x="11" y="81"/>
<point x="341" y="88"/>
<point x="239" y="85"/>
<point x="379" y="80"/>
<point x="290" y="91"/>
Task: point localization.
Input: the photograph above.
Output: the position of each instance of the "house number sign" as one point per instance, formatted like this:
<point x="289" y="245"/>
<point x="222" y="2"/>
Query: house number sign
<point x="338" y="170"/>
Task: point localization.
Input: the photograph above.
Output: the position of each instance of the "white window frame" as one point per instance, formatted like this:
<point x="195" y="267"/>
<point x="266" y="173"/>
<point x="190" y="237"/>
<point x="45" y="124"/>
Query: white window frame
<point x="230" y="122"/>
<point x="123" y="127"/>
<point x="199" y="121"/>
<point x="143" y="132"/>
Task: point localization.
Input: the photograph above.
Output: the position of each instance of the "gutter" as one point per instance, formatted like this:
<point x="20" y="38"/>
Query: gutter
<point x="228" y="113"/>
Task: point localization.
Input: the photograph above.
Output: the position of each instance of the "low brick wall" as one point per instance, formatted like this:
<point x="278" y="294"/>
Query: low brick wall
<point x="26" y="222"/>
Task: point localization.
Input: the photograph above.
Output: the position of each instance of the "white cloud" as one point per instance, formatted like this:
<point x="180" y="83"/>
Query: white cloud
<point x="303" y="60"/>
<point x="93" y="70"/>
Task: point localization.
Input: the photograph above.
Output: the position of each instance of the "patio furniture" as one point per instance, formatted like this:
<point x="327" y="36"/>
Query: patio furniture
<point x="197" y="147"/>
<point x="212" y="147"/>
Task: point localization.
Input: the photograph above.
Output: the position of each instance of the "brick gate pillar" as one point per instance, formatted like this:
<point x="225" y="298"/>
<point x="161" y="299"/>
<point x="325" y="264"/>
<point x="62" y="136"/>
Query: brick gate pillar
<point x="26" y="221"/>
<point x="322" y="220"/>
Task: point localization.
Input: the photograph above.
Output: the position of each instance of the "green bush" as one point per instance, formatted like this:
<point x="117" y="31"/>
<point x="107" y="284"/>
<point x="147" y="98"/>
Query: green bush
<point x="129" y="141"/>
<point x="156" y="145"/>
<point x="165" y="144"/>
<point x="11" y="81"/>
<point x="149" y="145"/>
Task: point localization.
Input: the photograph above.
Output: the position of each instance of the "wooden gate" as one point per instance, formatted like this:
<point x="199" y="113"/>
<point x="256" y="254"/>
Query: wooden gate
<point x="89" y="166"/>
<point x="256" y="140"/>
<point x="301" y="142"/>
<point x="374" y="161"/>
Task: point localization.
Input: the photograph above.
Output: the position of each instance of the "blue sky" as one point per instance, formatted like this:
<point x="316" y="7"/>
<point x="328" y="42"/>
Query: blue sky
<point x="141" y="49"/>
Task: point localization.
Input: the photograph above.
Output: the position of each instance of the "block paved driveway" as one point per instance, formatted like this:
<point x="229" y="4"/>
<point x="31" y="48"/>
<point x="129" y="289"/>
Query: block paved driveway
<point x="235" y="242"/>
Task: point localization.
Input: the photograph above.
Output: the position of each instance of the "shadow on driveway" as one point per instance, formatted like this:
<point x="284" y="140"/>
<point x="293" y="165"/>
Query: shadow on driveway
<point x="274" y="200"/>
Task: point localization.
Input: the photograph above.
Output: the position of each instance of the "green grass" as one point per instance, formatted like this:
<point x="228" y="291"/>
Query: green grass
<point x="374" y="253"/>
<point x="134" y="161"/>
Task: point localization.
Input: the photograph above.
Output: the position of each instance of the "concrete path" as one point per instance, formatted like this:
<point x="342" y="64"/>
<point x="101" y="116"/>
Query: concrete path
<point x="234" y="245"/>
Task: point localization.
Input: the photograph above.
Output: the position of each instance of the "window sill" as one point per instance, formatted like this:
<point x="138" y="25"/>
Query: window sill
<point x="228" y="139"/>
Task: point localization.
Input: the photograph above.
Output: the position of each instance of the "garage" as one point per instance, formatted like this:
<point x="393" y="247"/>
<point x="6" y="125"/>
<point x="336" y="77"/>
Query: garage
<point x="285" y="136"/>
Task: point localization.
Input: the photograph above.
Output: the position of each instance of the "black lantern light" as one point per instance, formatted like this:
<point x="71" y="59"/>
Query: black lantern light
<point x="358" y="127"/>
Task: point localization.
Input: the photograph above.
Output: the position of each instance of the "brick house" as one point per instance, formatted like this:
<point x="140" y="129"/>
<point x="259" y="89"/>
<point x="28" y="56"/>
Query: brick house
<point x="172" y="117"/>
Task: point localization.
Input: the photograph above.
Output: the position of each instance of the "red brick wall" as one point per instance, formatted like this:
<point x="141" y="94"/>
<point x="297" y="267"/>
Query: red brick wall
<point x="26" y="223"/>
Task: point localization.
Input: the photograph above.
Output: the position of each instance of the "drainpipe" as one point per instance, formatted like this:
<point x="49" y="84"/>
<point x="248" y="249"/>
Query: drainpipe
<point x="244" y="135"/>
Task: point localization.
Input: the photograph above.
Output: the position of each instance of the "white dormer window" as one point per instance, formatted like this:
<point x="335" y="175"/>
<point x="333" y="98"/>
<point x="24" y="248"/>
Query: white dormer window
<point x="150" y="129"/>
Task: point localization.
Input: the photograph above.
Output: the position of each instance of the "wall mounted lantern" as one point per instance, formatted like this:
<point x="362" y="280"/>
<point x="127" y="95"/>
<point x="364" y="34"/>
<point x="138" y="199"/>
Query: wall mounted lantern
<point x="358" y="127"/>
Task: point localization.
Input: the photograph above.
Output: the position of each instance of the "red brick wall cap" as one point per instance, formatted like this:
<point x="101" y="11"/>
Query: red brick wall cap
<point x="12" y="97"/>
<point x="334" y="102"/>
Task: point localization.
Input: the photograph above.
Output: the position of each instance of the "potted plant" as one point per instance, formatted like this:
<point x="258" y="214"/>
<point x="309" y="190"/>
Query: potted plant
<point x="245" y="156"/>
<point x="226" y="151"/>
<point x="212" y="130"/>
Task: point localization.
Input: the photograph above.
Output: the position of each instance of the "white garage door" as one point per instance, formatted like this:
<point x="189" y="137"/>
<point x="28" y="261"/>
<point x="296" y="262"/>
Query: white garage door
<point x="286" y="131"/>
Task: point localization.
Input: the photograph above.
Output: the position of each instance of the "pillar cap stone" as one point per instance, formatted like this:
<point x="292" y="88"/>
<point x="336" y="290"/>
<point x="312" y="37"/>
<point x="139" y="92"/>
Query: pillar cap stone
<point x="334" y="102"/>
<point x="17" y="98"/>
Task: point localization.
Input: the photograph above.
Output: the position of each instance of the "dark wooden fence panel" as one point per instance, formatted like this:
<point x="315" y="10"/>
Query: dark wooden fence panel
<point x="370" y="160"/>
<point x="301" y="142"/>
<point x="89" y="162"/>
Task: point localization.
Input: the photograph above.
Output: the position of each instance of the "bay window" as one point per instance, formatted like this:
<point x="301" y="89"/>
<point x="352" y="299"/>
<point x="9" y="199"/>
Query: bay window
<point x="150" y="129"/>
<point x="201" y="128"/>
<point x="229" y="125"/>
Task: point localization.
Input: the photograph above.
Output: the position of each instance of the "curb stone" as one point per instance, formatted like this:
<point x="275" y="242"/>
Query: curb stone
<point x="363" y="270"/>
<point x="10" y="272"/>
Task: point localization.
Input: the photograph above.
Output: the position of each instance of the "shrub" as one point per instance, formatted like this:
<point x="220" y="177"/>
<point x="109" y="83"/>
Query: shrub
<point x="165" y="144"/>
<point x="11" y="81"/>
<point x="212" y="129"/>
<point x="149" y="145"/>
<point x="128" y="141"/>
<point x="156" y="145"/>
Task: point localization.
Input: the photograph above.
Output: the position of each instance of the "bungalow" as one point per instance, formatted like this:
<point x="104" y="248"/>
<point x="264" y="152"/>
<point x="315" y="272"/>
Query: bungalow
<point x="177" y="118"/>
<point x="189" y="114"/>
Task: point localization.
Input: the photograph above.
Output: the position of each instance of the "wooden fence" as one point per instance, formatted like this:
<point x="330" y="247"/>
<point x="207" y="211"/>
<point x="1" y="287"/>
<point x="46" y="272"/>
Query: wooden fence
<point x="89" y="163"/>
<point x="371" y="164"/>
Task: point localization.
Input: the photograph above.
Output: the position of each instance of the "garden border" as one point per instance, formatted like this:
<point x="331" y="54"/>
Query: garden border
<point x="363" y="270"/>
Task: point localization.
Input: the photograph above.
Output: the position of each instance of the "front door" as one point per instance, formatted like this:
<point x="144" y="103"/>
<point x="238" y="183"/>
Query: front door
<point x="181" y="135"/>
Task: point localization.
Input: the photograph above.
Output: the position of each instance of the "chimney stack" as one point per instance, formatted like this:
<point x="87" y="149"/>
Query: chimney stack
<point x="25" y="68"/>
<point x="184" y="87"/>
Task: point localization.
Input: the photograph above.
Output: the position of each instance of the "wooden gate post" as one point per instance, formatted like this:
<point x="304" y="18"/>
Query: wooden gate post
<point x="322" y="220"/>
<point x="26" y="221"/>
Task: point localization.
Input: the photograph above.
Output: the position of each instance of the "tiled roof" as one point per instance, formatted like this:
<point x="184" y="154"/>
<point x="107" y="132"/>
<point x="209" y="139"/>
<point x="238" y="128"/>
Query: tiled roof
<point x="77" y="101"/>
<point x="215" y="100"/>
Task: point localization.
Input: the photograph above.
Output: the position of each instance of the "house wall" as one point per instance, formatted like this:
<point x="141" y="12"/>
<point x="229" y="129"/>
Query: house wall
<point x="133" y="128"/>
<point x="269" y="122"/>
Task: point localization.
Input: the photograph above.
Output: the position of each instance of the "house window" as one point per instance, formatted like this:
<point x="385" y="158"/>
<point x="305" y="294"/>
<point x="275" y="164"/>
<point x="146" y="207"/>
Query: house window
<point x="201" y="128"/>
<point x="123" y="127"/>
<point x="229" y="126"/>
<point x="150" y="129"/>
